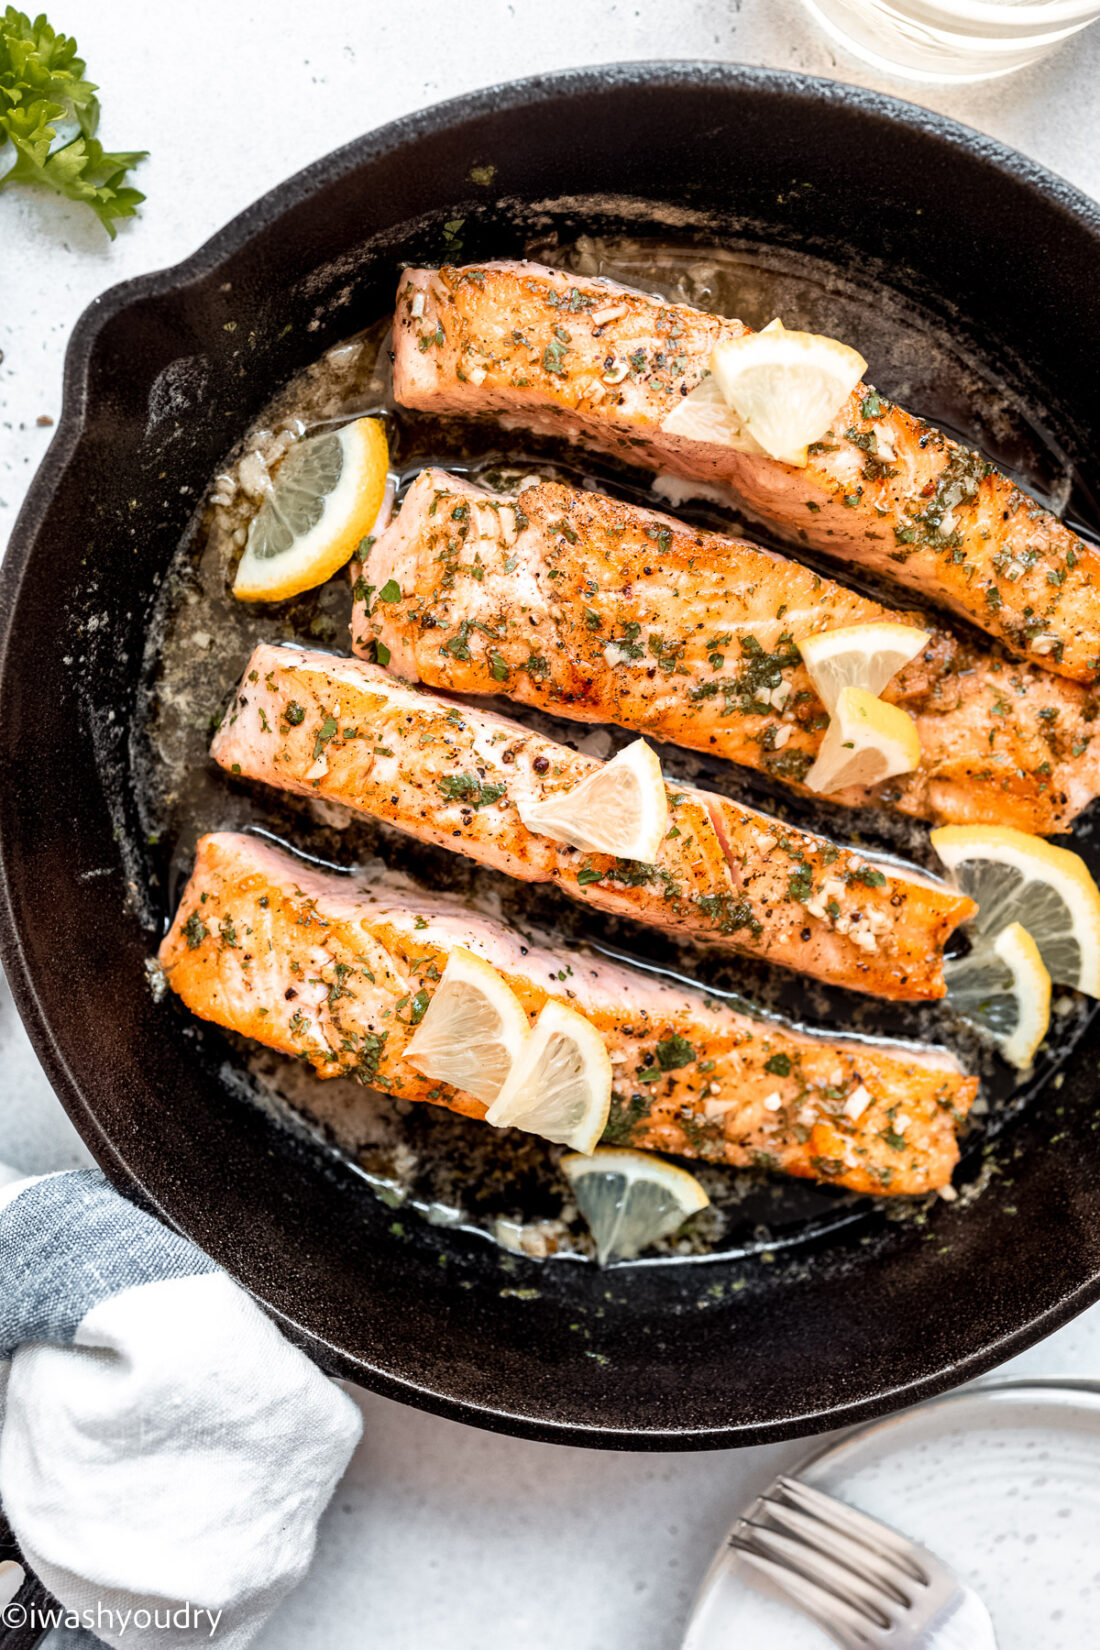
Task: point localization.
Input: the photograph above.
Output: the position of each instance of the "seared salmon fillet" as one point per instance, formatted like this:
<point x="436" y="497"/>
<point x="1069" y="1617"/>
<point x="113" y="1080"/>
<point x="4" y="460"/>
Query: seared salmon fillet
<point x="453" y="775"/>
<point x="601" y="364"/>
<point x="601" y="611"/>
<point x="337" y="972"/>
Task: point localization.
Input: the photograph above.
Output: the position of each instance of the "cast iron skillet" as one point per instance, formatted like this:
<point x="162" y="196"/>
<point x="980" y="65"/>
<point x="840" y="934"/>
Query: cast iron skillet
<point x="157" y="388"/>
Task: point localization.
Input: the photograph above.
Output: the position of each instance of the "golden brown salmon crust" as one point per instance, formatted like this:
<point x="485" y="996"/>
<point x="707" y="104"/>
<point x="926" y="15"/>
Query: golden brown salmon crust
<point x="337" y="974"/>
<point x="601" y="611"/>
<point x="453" y="775"/>
<point x="600" y="363"/>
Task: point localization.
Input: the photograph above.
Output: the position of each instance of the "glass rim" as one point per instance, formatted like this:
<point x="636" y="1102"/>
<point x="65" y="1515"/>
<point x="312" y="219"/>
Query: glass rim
<point x="1029" y="18"/>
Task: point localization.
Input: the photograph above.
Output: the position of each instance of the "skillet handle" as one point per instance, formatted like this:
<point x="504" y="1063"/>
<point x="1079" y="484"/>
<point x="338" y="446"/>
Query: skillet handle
<point x="21" y="1622"/>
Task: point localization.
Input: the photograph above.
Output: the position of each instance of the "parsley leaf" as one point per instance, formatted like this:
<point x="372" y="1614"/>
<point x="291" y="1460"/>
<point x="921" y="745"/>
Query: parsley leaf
<point x="325" y="732"/>
<point x="195" y="931"/>
<point x="49" y="115"/>
<point x="673" y="1052"/>
<point x="468" y="788"/>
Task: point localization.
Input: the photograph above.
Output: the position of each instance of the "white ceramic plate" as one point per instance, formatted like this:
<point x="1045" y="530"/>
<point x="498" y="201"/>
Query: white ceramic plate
<point x="1002" y="1481"/>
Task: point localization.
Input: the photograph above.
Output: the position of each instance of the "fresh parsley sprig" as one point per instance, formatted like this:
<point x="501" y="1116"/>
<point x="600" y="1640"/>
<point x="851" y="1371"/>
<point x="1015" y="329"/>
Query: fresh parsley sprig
<point x="43" y="97"/>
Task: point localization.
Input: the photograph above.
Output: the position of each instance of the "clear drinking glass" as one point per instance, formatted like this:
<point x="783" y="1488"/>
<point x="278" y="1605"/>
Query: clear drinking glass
<point x="951" y="40"/>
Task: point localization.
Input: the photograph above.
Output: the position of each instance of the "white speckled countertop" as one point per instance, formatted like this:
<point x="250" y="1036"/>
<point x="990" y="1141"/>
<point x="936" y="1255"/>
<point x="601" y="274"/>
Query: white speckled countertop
<point x="440" y="1536"/>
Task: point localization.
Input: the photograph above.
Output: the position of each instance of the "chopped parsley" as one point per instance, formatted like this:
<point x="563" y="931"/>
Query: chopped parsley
<point x="459" y="646"/>
<point x="468" y="788"/>
<point x="371" y="1047"/>
<point x="194" y="931"/>
<point x="325" y="732"/>
<point x="673" y="1052"/>
<point x="800" y="884"/>
<point x="553" y="356"/>
<point x="624" y="1117"/>
<point x="730" y="914"/>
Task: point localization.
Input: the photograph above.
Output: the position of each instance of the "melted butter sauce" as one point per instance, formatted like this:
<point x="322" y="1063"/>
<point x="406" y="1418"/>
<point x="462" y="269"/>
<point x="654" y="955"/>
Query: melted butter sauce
<point x="453" y="1172"/>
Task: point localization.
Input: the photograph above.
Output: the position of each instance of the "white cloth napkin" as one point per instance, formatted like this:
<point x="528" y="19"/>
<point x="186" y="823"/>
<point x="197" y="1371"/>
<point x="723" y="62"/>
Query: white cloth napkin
<point x="165" y="1454"/>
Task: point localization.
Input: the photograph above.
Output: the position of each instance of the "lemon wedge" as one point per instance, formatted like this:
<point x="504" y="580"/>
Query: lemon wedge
<point x="323" y="502"/>
<point x="866" y="741"/>
<point x="630" y="1199"/>
<point x="859" y="655"/>
<point x="560" y="1085"/>
<point x="786" y="387"/>
<point x="474" y="1028"/>
<point x="706" y="415"/>
<point x="1003" y="988"/>
<point x="620" y="809"/>
<point x="1013" y="877"/>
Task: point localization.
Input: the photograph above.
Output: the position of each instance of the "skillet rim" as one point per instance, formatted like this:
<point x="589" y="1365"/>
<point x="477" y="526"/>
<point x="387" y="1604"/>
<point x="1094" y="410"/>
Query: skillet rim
<point x="682" y="76"/>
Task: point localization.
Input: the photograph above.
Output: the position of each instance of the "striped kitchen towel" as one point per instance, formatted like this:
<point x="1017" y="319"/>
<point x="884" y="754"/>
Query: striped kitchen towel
<point x="165" y="1454"/>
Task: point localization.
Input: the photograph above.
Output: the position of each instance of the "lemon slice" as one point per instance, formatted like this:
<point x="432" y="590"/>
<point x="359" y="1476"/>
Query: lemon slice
<point x="1003" y="988"/>
<point x="323" y="502"/>
<point x="473" y="1030"/>
<point x="786" y="387"/>
<point x="1016" y="877"/>
<point x="866" y="741"/>
<point x="706" y="415"/>
<point x="858" y="655"/>
<point x="621" y="809"/>
<point x="560" y="1085"/>
<point x="630" y="1199"/>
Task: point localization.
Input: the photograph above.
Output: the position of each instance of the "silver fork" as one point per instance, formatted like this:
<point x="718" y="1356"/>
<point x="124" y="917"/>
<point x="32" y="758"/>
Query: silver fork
<point x="867" y="1586"/>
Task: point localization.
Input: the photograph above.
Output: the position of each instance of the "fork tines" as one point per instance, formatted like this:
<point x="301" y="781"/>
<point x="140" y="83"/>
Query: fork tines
<point x="857" y="1577"/>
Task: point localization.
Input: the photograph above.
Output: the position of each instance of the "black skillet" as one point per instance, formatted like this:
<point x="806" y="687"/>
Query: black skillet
<point x="847" y="1324"/>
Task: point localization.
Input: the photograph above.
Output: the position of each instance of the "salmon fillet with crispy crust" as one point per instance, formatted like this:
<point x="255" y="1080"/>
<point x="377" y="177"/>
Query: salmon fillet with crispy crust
<point x="601" y="611"/>
<point x="337" y="972"/>
<point x="601" y="364"/>
<point x="453" y="774"/>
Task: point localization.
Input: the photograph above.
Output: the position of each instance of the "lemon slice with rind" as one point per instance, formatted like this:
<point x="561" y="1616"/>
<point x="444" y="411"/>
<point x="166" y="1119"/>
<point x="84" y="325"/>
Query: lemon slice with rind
<point x="1003" y="988"/>
<point x="860" y="655"/>
<point x="1016" y="877"/>
<point x="786" y="387"/>
<point x="560" y="1085"/>
<point x="620" y="809"/>
<point x="630" y="1199"/>
<point x="473" y="1031"/>
<point x="323" y="502"/>
<point x="706" y="415"/>
<point x="866" y="741"/>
